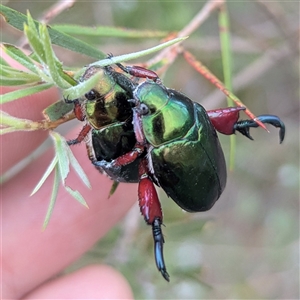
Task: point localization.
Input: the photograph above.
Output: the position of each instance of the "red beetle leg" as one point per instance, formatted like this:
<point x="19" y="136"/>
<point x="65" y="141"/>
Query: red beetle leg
<point x="78" y="111"/>
<point x="81" y="136"/>
<point x="148" y="198"/>
<point x="224" y="119"/>
<point x="129" y="157"/>
<point x="139" y="72"/>
<point x="151" y="210"/>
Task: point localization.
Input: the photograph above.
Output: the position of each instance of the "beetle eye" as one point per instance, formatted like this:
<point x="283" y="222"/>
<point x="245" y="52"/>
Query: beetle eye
<point x="91" y="95"/>
<point x="143" y="109"/>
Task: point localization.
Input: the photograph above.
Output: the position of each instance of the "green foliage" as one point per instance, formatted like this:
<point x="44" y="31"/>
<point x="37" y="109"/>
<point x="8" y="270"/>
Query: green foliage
<point x="60" y="163"/>
<point x="106" y="31"/>
<point x="17" y="20"/>
<point x="24" y="92"/>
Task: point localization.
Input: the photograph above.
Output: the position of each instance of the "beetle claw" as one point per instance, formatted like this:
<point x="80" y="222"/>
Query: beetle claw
<point x="243" y="130"/>
<point x="244" y="126"/>
<point x="276" y="122"/>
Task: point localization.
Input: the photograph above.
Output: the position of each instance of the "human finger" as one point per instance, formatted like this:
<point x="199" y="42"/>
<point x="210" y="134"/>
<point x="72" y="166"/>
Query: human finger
<point x="92" y="282"/>
<point x="31" y="256"/>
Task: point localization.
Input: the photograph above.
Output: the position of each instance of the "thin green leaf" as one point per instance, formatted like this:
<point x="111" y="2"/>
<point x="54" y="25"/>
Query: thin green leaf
<point x="57" y="110"/>
<point x="15" y="82"/>
<point x="126" y="57"/>
<point x="77" y="196"/>
<point x="31" y="24"/>
<point x="24" y="92"/>
<point x="35" y="43"/>
<point x="3" y="62"/>
<point x="113" y="188"/>
<point x="53" y="65"/>
<point x="53" y="198"/>
<point x="6" y="70"/>
<point x="19" y="56"/>
<point x="43" y="76"/>
<point x="12" y="76"/>
<point x="13" y="17"/>
<point x="34" y="57"/>
<point x="106" y="31"/>
<point x="68" y="78"/>
<point x="73" y="44"/>
<point x="82" y="88"/>
<point x="20" y="75"/>
<point x="7" y="130"/>
<point x="60" y="151"/>
<point x="46" y="175"/>
<point x="77" y="168"/>
<point x="13" y="72"/>
<point x="17" y="19"/>
<point x="15" y="123"/>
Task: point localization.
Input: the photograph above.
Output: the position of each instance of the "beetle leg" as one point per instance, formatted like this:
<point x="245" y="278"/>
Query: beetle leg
<point x="148" y="201"/>
<point x="151" y="210"/>
<point x="137" y="71"/>
<point x="129" y="157"/>
<point x="79" y="114"/>
<point x="122" y="160"/>
<point x="244" y="126"/>
<point x="81" y="136"/>
<point x="224" y="119"/>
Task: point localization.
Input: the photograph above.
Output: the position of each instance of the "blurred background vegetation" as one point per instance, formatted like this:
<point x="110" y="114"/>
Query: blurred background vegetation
<point x="247" y="245"/>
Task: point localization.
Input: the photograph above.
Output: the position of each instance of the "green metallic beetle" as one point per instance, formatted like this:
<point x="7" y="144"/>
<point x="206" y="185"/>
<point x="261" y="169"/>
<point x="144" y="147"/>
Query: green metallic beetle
<point x="150" y="134"/>
<point x="107" y="113"/>
<point x="185" y="151"/>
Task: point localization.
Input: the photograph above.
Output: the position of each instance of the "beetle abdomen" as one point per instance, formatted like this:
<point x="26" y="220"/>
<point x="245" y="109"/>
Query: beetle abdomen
<point x="110" y="143"/>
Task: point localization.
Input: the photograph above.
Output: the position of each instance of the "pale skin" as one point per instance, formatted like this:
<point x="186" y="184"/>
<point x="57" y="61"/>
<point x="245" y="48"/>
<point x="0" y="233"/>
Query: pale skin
<point x="32" y="259"/>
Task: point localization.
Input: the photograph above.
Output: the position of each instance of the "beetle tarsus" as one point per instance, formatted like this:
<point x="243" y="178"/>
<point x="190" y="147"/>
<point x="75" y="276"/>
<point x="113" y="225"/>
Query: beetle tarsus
<point x="68" y="101"/>
<point x="158" y="248"/>
<point x="73" y="142"/>
<point x="244" y="126"/>
<point x="102" y="163"/>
